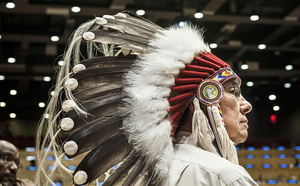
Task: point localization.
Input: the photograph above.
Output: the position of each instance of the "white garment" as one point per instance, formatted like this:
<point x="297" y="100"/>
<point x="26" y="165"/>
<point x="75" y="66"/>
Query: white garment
<point x="193" y="166"/>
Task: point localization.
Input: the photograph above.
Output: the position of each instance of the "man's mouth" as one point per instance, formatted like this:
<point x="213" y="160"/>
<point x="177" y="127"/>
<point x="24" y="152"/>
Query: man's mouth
<point x="244" y="122"/>
<point x="9" y="177"/>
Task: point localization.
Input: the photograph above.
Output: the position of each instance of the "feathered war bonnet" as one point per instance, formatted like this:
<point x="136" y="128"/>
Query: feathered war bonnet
<point x="126" y="108"/>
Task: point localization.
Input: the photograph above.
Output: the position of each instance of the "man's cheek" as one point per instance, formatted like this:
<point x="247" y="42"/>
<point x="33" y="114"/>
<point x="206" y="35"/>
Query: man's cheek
<point x="2" y="168"/>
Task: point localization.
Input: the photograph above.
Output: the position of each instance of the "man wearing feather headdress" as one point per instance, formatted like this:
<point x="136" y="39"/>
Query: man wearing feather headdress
<point x="154" y="112"/>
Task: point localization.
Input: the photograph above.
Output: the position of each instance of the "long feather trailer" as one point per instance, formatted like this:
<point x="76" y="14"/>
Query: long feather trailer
<point x="108" y="59"/>
<point x="96" y="109"/>
<point x="102" y="158"/>
<point x="91" y="115"/>
<point x="125" y="27"/>
<point x="120" y="174"/>
<point x="118" y="38"/>
<point x="92" y="134"/>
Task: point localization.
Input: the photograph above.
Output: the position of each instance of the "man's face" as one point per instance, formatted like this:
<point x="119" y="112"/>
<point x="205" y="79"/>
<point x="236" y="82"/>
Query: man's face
<point x="8" y="168"/>
<point x="234" y="109"/>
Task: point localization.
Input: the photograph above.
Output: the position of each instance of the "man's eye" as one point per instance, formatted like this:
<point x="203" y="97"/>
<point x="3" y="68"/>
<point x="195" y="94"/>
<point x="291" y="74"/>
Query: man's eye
<point x="8" y="157"/>
<point x="231" y="89"/>
<point x="237" y="93"/>
<point x="235" y="90"/>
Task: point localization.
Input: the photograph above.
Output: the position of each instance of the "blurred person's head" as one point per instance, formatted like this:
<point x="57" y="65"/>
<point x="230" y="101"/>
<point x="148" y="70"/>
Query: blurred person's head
<point x="9" y="162"/>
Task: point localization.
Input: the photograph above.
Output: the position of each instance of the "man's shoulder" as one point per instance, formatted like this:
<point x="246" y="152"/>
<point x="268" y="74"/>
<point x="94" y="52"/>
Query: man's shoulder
<point x="187" y="156"/>
<point x="195" y="155"/>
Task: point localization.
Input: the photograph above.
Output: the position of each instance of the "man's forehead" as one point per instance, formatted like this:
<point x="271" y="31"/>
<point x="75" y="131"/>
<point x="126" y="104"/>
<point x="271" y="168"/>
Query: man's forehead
<point x="9" y="148"/>
<point x="232" y="81"/>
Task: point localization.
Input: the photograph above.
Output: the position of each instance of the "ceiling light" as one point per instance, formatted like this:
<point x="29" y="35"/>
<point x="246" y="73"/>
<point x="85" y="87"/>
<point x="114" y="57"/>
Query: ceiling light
<point x="276" y="108"/>
<point x="10" y="5"/>
<point x="244" y="66"/>
<point x="13" y="92"/>
<point x="46" y="116"/>
<point x="272" y="97"/>
<point x="12" y="115"/>
<point x="75" y="9"/>
<point x="198" y="15"/>
<point x="289" y="67"/>
<point x="249" y="84"/>
<point x="287" y="85"/>
<point x="47" y="78"/>
<point x="2" y="77"/>
<point x="181" y="23"/>
<point x="11" y="60"/>
<point x="0" y="36"/>
<point x="254" y="17"/>
<point x="61" y="63"/>
<point x="2" y="104"/>
<point x="262" y="46"/>
<point x="140" y="12"/>
<point x="213" y="45"/>
<point x="52" y="93"/>
<point x="54" y="38"/>
<point x="42" y="104"/>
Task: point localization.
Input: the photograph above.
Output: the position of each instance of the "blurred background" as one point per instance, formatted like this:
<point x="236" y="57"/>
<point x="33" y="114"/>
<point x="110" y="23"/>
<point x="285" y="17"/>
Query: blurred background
<point x="260" y="39"/>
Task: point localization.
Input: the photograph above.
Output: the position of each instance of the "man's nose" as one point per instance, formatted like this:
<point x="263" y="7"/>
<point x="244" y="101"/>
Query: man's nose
<point x="13" y="166"/>
<point x="246" y="107"/>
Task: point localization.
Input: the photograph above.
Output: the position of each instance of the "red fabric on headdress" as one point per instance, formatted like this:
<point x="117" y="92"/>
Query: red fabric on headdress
<point x="184" y="88"/>
<point x="183" y="81"/>
<point x="178" y="105"/>
<point x="203" y="62"/>
<point x="199" y="69"/>
<point x="210" y="57"/>
<point x="175" y="119"/>
<point x="181" y="97"/>
<point x="194" y="73"/>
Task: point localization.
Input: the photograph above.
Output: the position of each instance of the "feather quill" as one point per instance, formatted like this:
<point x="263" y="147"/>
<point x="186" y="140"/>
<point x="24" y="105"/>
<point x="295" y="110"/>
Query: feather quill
<point x="124" y="26"/>
<point x="145" y="22"/>
<point x="101" y="82"/>
<point x="120" y="39"/>
<point x="98" y="71"/>
<point x="107" y="89"/>
<point x="113" y="60"/>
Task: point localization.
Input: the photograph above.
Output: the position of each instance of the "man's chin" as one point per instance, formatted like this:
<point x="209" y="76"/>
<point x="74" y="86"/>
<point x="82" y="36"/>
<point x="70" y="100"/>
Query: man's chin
<point x="244" y="138"/>
<point x="241" y="139"/>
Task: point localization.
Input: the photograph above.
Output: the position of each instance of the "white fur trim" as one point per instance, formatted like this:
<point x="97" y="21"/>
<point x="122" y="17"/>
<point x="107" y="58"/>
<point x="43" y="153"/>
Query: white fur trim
<point x="80" y="177"/>
<point x="77" y="68"/>
<point x="67" y="124"/>
<point x="100" y="21"/>
<point x="71" y="84"/>
<point x="70" y="148"/>
<point x="68" y="105"/>
<point x="228" y="149"/>
<point x="148" y="86"/>
<point x="88" y="36"/>
<point x="203" y="135"/>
